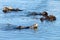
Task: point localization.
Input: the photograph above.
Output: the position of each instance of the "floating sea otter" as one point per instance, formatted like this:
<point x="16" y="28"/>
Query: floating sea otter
<point x="35" y="13"/>
<point x="28" y="27"/>
<point x="8" y="9"/>
<point x="46" y="17"/>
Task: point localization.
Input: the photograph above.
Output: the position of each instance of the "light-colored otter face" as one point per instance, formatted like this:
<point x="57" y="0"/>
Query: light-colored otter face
<point x="35" y="26"/>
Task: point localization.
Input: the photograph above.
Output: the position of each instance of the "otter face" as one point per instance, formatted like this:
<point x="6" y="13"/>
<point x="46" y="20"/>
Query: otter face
<point x="44" y="14"/>
<point x="35" y="26"/>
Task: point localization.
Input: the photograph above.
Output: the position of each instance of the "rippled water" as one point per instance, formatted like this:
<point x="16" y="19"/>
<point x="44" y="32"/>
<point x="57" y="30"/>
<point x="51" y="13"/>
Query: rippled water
<point x="46" y="30"/>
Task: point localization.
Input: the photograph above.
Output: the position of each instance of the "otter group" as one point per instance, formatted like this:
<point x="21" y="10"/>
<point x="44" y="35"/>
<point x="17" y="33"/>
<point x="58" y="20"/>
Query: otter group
<point x="47" y="17"/>
<point x="44" y="14"/>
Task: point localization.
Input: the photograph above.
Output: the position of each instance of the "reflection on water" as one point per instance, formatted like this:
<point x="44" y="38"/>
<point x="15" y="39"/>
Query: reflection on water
<point x="46" y="30"/>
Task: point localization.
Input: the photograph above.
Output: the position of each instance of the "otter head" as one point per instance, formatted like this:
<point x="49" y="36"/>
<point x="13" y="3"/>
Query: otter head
<point x="52" y="18"/>
<point x="35" y="26"/>
<point x="44" y="13"/>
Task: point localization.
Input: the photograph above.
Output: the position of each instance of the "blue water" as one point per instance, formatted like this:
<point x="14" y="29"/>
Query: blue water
<point x="46" y="30"/>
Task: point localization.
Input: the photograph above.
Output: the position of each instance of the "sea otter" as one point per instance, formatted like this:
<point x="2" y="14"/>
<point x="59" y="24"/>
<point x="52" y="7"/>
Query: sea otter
<point x="9" y="9"/>
<point x="35" y="26"/>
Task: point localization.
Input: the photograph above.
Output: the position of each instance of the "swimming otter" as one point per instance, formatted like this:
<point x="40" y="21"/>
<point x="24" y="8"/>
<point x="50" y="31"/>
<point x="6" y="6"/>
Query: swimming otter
<point x="49" y="18"/>
<point x="8" y="9"/>
<point x="28" y="27"/>
<point x="35" y="13"/>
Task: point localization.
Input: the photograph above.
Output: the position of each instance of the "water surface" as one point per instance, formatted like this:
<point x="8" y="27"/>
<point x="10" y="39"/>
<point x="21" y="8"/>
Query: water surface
<point x="46" y="30"/>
